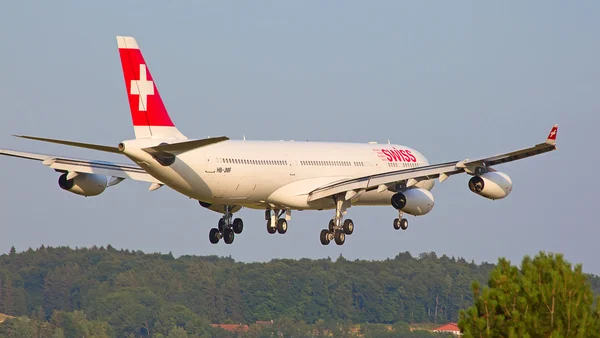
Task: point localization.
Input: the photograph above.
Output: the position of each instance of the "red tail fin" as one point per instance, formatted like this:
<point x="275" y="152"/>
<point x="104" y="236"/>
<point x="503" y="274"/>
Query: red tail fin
<point x="149" y="114"/>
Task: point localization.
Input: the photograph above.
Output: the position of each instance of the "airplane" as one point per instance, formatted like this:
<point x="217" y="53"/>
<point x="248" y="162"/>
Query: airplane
<point x="225" y="175"/>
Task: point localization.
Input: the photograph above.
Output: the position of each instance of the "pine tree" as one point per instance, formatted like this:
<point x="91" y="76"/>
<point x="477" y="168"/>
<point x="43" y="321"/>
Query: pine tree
<point x="545" y="298"/>
<point x="1" y="299"/>
<point x="8" y="298"/>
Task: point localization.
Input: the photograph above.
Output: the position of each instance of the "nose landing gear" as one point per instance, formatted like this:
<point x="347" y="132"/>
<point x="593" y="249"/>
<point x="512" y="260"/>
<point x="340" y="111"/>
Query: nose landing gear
<point x="400" y="222"/>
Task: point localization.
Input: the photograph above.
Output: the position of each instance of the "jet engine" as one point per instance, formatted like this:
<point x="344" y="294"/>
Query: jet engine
<point x="416" y="201"/>
<point x="493" y="185"/>
<point x="83" y="184"/>
<point x="219" y="207"/>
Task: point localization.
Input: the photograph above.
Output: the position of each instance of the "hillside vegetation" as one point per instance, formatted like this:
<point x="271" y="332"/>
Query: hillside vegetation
<point x="140" y="294"/>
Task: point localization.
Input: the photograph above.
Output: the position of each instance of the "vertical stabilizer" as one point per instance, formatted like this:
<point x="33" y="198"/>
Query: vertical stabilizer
<point x="148" y="113"/>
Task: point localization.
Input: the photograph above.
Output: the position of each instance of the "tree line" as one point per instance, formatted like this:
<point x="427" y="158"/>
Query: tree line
<point x="133" y="293"/>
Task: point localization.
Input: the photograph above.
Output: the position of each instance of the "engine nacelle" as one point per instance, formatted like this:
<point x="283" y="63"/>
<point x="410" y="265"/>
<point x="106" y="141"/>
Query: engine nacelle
<point x="493" y="185"/>
<point x="83" y="184"/>
<point x="220" y="208"/>
<point x="416" y="201"/>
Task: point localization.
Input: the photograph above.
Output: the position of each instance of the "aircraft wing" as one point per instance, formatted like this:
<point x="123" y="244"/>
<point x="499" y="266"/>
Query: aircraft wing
<point x="65" y="164"/>
<point x="411" y="176"/>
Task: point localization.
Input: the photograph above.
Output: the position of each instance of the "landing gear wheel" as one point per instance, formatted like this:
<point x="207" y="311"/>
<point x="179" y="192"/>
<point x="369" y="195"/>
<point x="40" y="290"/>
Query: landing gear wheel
<point x="238" y="225"/>
<point x="228" y="236"/>
<point x="282" y="226"/>
<point x="324" y="237"/>
<point x="404" y="224"/>
<point x="348" y="227"/>
<point x="397" y="224"/>
<point x="221" y="225"/>
<point x="340" y="237"/>
<point x="214" y="235"/>
<point x="271" y="229"/>
<point x="331" y="226"/>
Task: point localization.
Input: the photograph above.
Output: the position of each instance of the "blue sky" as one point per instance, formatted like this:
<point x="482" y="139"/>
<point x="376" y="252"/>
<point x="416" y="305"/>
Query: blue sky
<point x="454" y="80"/>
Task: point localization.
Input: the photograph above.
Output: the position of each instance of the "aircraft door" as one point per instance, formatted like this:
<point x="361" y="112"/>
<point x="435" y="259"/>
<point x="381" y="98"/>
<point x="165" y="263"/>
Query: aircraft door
<point x="292" y="164"/>
<point x="211" y="164"/>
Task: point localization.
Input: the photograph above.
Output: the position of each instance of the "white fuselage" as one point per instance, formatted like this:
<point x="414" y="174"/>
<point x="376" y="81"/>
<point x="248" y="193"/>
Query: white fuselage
<point x="268" y="174"/>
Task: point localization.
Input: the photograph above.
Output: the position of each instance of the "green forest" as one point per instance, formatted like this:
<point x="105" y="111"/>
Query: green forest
<point x="104" y="292"/>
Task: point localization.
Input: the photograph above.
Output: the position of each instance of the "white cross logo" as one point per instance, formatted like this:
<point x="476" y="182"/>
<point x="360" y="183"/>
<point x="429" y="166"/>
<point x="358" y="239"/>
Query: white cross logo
<point x="553" y="133"/>
<point x="142" y="87"/>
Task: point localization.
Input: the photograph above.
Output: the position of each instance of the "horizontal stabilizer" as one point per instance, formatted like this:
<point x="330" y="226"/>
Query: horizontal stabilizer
<point x="73" y="144"/>
<point x="184" y="146"/>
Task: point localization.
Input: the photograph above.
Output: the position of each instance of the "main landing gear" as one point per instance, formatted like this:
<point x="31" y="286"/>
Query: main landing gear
<point x="275" y="223"/>
<point x="226" y="229"/>
<point x="337" y="230"/>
